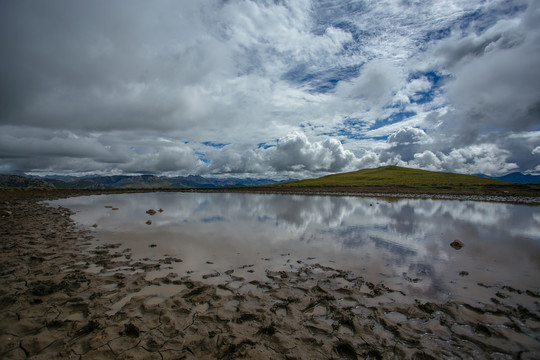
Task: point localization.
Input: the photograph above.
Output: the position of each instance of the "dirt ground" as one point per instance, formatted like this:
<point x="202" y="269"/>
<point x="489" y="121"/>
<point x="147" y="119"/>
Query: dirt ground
<point x="52" y="307"/>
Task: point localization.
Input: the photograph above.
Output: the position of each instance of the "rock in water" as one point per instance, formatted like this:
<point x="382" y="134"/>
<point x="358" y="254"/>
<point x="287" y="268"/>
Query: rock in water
<point x="457" y="244"/>
<point x="151" y="212"/>
<point x="149" y="222"/>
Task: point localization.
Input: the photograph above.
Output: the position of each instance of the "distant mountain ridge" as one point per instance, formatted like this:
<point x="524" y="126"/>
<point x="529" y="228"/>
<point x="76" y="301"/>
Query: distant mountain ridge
<point x="515" y="177"/>
<point x="23" y="182"/>
<point x="127" y="182"/>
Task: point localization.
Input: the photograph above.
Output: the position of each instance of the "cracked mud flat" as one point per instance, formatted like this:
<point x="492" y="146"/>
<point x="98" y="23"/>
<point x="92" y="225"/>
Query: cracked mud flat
<point x="53" y="305"/>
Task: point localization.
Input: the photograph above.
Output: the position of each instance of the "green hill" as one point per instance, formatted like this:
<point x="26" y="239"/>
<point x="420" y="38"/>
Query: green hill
<point x="395" y="176"/>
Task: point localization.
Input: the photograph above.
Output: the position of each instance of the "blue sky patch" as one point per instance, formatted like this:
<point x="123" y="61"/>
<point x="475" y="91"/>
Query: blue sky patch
<point x="320" y="81"/>
<point x="394" y="118"/>
<point x="264" y="145"/>
<point x="213" y="144"/>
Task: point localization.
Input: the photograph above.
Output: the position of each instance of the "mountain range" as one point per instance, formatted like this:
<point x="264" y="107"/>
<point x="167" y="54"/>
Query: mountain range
<point x="127" y="182"/>
<point x="191" y="181"/>
<point x="515" y="177"/>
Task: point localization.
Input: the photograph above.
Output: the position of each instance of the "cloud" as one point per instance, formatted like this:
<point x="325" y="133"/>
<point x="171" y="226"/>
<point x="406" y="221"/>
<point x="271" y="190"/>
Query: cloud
<point x="234" y="159"/>
<point x="456" y="52"/>
<point x="427" y="160"/>
<point x="64" y="151"/>
<point x="326" y="86"/>
<point x="493" y="87"/>
<point x="403" y="144"/>
<point x="408" y="135"/>
<point x="375" y="84"/>
<point x="291" y="154"/>
<point x="130" y="67"/>
<point x="168" y="159"/>
<point x="62" y="144"/>
<point x="475" y="159"/>
<point x="296" y="152"/>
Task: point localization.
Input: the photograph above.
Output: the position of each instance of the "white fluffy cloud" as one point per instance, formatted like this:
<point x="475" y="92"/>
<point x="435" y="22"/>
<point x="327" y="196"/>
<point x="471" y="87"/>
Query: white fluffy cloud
<point x="475" y="159"/>
<point x="296" y="152"/>
<point x="409" y="135"/>
<point x="291" y="154"/>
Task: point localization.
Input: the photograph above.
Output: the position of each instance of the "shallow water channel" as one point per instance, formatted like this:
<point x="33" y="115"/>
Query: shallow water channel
<point x="402" y="243"/>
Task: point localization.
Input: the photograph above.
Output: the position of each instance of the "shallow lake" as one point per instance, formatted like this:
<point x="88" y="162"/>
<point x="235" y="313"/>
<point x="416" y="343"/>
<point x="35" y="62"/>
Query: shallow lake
<point x="403" y="243"/>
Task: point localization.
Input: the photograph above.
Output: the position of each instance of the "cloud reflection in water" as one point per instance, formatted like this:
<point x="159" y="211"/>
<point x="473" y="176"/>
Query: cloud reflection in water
<point x="398" y="239"/>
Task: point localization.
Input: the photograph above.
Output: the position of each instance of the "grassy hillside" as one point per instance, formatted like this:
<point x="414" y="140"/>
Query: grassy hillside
<point x="395" y="176"/>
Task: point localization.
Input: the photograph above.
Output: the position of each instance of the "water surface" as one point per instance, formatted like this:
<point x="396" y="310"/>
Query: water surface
<point x="403" y="243"/>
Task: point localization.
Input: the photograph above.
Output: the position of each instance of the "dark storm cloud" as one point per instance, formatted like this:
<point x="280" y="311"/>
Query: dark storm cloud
<point x="97" y="65"/>
<point x="496" y="84"/>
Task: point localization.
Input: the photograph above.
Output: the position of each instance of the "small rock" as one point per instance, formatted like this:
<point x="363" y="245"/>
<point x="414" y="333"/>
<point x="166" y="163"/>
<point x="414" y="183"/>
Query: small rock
<point x="463" y="273"/>
<point x="457" y="244"/>
<point x="95" y="225"/>
<point x="160" y="210"/>
<point x="108" y="207"/>
<point x="151" y="212"/>
<point x="115" y="208"/>
<point x="152" y="245"/>
<point x="207" y="276"/>
<point x="149" y="222"/>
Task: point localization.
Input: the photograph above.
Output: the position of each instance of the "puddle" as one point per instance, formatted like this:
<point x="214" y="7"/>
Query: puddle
<point x="235" y="239"/>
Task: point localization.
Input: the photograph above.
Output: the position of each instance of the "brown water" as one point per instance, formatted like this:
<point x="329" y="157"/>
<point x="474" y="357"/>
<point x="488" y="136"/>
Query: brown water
<point x="403" y="243"/>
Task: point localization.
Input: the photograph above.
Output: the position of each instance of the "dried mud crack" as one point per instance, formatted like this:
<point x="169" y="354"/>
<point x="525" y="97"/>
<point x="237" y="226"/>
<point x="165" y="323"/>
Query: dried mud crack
<point x="52" y="307"/>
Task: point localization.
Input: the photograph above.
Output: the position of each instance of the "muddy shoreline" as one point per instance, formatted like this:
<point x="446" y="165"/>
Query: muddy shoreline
<point x="51" y="306"/>
<point x="518" y="194"/>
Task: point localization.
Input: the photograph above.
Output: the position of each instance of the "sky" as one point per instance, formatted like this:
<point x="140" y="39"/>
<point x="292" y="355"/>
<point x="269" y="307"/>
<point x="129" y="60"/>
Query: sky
<point x="269" y="88"/>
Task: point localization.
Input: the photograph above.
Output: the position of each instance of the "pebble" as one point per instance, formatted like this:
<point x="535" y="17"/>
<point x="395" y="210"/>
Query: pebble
<point x="457" y="244"/>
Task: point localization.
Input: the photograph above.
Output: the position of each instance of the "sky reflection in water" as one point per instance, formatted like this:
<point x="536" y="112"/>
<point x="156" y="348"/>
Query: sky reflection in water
<point x="401" y="242"/>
